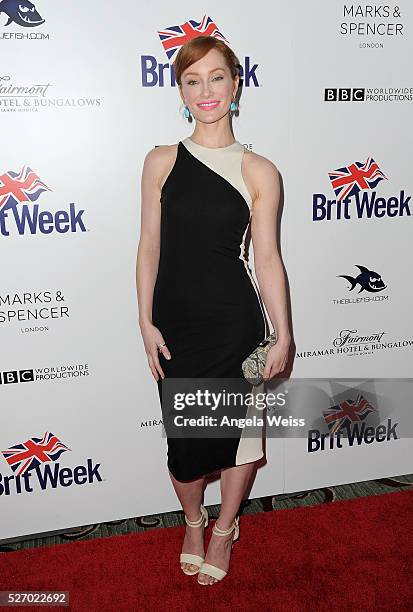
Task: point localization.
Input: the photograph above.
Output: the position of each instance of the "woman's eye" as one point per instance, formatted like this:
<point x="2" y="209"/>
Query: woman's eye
<point x="219" y="77"/>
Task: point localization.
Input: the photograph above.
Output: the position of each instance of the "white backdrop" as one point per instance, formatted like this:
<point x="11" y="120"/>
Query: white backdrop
<point x="77" y="115"/>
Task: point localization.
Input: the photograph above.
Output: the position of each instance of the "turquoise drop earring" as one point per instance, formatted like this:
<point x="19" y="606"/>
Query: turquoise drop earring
<point x="233" y="106"/>
<point x="187" y="113"/>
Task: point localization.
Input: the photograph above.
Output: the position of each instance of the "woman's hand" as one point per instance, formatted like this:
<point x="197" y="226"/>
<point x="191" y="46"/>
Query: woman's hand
<point x="152" y="337"/>
<point x="277" y="358"/>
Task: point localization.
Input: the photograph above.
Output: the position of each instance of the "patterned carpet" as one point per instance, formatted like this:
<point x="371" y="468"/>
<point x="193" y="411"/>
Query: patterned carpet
<point x="252" y="506"/>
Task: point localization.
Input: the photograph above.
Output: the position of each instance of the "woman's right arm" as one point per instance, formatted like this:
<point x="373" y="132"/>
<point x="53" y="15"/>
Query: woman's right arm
<point x="147" y="261"/>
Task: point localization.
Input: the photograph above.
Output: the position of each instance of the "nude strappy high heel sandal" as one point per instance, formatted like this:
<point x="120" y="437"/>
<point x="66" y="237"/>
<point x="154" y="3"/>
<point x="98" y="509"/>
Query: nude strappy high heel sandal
<point x="213" y="570"/>
<point x="188" y="557"/>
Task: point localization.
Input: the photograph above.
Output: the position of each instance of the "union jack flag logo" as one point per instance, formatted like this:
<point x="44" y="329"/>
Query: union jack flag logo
<point x="174" y="37"/>
<point x="20" y="187"/>
<point x="347" y="412"/>
<point x="351" y="179"/>
<point x="30" y="454"/>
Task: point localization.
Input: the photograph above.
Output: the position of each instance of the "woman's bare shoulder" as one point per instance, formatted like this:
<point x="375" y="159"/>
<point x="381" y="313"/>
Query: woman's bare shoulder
<point x="160" y="154"/>
<point x="260" y="174"/>
<point x="159" y="162"/>
<point x="255" y="162"/>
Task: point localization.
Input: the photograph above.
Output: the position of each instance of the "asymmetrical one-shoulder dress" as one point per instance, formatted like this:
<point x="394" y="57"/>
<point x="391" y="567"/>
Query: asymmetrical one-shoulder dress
<point x="206" y="302"/>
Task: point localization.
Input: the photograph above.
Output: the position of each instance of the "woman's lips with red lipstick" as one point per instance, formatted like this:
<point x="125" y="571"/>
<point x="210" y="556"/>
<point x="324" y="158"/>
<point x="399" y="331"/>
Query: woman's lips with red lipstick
<point x="208" y="105"/>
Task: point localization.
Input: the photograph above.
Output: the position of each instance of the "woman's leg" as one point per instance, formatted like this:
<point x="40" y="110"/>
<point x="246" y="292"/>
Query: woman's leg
<point x="234" y="482"/>
<point x="190" y="495"/>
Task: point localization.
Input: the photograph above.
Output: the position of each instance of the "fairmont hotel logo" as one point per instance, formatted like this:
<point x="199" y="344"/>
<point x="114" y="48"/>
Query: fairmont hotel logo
<point x="350" y="342"/>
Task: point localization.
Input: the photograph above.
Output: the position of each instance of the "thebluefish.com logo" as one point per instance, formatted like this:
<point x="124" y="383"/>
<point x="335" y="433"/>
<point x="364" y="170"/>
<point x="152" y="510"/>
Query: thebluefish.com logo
<point x="356" y="196"/>
<point x="26" y="17"/>
<point x="367" y="280"/>
<point x="158" y="74"/>
<point x="21" y="12"/>
<point x="35" y="467"/>
<point x="18" y="214"/>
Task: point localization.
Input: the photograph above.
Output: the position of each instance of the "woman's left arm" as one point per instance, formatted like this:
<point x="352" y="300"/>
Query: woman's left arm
<point x="268" y="266"/>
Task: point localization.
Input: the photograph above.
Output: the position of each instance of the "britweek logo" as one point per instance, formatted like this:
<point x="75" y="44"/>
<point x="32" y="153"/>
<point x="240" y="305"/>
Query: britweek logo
<point x="26" y="186"/>
<point x="158" y="74"/>
<point x="349" y="417"/>
<point x="354" y="187"/>
<point x="35" y="467"/>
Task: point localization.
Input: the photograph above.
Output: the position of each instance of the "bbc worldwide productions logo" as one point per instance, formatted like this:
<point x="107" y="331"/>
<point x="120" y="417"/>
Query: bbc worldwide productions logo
<point x="13" y="377"/>
<point x="368" y="94"/>
<point x="44" y="374"/>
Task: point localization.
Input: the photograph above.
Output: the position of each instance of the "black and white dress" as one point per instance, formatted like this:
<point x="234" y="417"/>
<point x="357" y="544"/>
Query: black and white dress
<point x="206" y="303"/>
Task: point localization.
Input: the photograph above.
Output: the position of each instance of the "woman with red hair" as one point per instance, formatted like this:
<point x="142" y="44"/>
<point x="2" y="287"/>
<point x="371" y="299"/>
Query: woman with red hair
<point x="200" y="311"/>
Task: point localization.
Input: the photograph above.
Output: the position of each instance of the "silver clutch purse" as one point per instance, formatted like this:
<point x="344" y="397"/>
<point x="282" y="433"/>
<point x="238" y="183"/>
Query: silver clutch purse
<point x="253" y="365"/>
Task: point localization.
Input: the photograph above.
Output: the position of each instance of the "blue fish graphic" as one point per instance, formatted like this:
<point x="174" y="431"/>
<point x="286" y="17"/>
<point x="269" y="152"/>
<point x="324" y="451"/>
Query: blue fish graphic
<point x="367" y="279"/>
<point x="21" y="12"/>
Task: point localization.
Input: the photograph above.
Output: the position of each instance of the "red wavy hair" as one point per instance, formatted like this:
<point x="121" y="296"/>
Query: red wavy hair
<point x="195" y="49"/>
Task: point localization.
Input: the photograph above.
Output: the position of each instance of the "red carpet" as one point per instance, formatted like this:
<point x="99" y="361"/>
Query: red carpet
<point x="347" y="555"/>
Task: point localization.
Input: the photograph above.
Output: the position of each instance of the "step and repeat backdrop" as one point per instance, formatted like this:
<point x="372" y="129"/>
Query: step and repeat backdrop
<point x="86" y="90"/>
